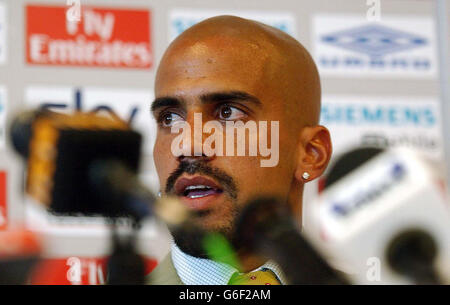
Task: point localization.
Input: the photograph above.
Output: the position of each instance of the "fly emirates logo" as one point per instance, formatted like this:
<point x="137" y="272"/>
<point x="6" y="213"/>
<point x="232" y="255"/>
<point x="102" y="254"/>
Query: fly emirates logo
<point x="103" y="37"/>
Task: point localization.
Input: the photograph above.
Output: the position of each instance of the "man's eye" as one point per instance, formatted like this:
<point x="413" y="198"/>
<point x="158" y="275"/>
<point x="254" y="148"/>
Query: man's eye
<point x="227" y="112"/>
<point x="169" y="118"/>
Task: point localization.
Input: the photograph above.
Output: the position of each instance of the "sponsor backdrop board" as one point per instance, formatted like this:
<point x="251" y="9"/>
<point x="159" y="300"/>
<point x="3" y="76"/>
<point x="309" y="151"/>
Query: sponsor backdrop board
<point x="379" y="82"/>
<point x="3" y="109"/>
<point x="3" y="202"/>
<point x="384" y="122"/>
<point x="3" y="41"/>
<point x="130" y="105"/>
<point x="182" y="19"/>
<point x="103" y="37"/>
<point x="76" y="271"/>
<point x="381" y="121"/>
<point x="396" y="46"/>
<point x="76" y="249"/>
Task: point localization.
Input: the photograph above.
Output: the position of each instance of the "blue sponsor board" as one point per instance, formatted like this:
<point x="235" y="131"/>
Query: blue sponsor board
<point x="2" y="47"/>
<point x="363" y="197"/>
<point x="2" y="33"/>
<point x="180" y="24"/>
<point x="386" y="115"/>
<point x="180" y="21"/>
<point x="374" y="40"/>
<point x="419" y="64"/>
<point x="376" y="47"/>
<point x="2" y="115"/>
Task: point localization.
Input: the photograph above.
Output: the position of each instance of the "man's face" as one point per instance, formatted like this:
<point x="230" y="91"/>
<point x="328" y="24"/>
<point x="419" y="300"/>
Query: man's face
<point x="223" y="80"/>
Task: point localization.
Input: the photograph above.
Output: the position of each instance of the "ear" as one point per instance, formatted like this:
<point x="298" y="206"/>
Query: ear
<point x="314" y="152"/>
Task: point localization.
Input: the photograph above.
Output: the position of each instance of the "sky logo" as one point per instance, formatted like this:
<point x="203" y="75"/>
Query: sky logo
<point x="374" y="40"/>
<point x="78" y="106"/>
<point x="132" y="106"/>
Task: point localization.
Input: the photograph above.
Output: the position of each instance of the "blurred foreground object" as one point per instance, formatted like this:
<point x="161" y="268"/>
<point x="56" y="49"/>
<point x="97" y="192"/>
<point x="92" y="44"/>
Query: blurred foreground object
<point x="76" y="165"/>
<point x="265" y="227"/>
<point x="86" y="164"/>
<point x="384" y="218"/>
<point x="19" y="252"/>
<point x="61" y="150"/>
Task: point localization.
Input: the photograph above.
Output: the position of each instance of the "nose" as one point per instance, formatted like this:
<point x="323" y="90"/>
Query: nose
<point x="194" y="151"/>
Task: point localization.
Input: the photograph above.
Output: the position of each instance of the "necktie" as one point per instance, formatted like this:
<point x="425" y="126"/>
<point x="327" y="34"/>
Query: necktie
<point x="261" y="277"/>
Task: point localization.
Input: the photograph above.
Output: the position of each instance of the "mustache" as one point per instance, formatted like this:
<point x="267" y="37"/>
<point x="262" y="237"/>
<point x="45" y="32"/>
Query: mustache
<point x="200" y="167"/>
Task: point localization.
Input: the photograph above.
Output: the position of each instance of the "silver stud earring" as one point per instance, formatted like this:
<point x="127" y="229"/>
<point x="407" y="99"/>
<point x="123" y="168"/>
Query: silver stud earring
<point x="159" y="194"/>
<point x="306" y="175"/>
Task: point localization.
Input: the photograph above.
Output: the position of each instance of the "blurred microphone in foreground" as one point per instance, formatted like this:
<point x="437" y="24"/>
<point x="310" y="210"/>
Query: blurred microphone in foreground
<point x="266" y="228"/>
<point x="86" y="164"/>
<point x="19" y="252"/>
<point x="62" y="151"/>
<point x="384" y="218"/>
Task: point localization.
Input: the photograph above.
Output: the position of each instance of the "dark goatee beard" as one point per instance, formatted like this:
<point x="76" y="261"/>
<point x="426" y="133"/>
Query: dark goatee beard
<point x="190" y="237"/>
<point x="190" y="240"/>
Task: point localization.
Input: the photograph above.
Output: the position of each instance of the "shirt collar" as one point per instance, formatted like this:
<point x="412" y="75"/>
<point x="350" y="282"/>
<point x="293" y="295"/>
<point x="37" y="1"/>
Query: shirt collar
<point x="201" y="271"/>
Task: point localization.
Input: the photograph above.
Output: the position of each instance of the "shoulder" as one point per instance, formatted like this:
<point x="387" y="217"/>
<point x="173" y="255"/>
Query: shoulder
<point x="164" y="273"/>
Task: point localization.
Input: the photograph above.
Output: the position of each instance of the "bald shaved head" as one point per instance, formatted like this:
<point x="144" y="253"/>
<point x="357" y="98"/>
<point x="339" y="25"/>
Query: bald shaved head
<point x="230" y="69"/>
<point x="274" y="60"/>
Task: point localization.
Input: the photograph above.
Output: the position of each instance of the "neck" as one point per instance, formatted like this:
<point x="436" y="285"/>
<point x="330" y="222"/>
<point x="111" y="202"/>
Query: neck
<point x="295" y="200"/>
<point x="249" y="262"/>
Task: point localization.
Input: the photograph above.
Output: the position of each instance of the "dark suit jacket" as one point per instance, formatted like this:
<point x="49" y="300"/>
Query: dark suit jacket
<point x="164" y="273"/>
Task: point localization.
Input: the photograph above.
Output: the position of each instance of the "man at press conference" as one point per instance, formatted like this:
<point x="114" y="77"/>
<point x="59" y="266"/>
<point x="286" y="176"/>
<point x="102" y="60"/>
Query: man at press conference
<point x="231" y="69"/>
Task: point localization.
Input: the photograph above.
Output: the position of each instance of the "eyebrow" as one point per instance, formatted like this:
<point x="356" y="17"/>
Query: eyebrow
<point x="165" y="101"/>
<point x="228" y="96"/>
<point x="214" y="97"/>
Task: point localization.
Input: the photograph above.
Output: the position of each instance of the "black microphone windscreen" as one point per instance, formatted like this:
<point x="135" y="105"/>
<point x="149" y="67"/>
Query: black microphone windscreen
<point x="21" y="130"/>
<point x="266" y="227"/>
<point x="61" y="151"/>
<point x="349" y="162"/>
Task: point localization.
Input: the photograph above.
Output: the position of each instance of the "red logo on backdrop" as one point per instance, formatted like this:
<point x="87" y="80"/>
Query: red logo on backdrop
<point x="76" y="271"/>
<point x="3" y="206"/>
<point x="104" y="37"/>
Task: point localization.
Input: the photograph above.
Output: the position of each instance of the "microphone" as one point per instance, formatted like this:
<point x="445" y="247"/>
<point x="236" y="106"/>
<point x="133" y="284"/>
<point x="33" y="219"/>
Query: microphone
<point x="265" y="227"/>
<point x="60" y="151"/>
<point x="121" y="188"/>
<point x="87" y="164"/>
<point x="384" y="218"/>
<point x="21" y="130"/>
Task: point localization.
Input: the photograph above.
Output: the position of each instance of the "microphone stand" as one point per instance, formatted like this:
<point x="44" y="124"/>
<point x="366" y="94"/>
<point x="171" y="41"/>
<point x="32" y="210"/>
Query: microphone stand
<point x="127" y="197"/>
<point x="125" y="266"/>
<point x="412" y="254"/>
